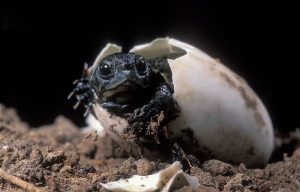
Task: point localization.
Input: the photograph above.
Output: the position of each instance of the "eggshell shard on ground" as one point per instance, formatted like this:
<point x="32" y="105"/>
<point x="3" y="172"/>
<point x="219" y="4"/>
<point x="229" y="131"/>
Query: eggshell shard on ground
<point x="166" y="180"/>
<point x="226" y="118"/>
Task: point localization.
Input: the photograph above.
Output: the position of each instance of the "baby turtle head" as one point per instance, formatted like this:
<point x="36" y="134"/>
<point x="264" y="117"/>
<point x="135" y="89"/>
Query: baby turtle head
<point x="118" y="75"/>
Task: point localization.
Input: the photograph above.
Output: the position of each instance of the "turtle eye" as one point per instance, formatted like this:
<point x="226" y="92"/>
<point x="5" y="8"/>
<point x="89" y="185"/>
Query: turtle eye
<point x="106" y="71"/>
<point x="141" y="66"/>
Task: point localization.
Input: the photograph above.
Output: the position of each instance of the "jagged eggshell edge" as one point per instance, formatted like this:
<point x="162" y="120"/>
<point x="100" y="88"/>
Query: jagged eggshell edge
<point x="226" y="116"/>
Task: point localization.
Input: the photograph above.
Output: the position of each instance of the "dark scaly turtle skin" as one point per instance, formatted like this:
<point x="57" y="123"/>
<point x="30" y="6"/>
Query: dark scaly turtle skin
<point x="127" y="83"/>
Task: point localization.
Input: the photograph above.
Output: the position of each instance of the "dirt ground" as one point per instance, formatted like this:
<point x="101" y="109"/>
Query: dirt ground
<point x="59" y="157"/>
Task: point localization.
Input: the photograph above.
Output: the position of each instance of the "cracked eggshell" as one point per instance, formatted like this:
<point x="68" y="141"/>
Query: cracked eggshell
<point x="227" y="118"/>
<point x="166" y="180"/>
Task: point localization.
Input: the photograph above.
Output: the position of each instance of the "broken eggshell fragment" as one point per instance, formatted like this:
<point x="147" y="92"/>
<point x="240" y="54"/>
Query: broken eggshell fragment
<point x="166" y="180"/>
<point x="225" y="117"/>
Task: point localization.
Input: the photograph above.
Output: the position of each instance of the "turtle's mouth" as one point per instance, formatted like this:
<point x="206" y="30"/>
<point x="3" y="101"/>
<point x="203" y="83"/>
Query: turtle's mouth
<point x="122" y="94"/>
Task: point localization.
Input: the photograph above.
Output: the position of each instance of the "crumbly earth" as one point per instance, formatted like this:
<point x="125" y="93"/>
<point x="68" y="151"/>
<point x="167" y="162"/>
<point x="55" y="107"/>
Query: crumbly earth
<point x="60" y="157"/>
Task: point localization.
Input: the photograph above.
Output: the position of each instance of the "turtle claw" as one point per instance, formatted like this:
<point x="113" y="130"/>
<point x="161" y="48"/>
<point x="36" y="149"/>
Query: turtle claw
<point x="83" y="91"/>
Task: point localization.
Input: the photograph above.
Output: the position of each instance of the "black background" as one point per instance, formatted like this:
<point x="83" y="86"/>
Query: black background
<point x="44" y="45"/>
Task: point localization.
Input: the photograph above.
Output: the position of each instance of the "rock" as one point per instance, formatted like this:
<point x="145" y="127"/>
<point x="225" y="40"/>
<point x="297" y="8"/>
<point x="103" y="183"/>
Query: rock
<point x="143" y="167"/>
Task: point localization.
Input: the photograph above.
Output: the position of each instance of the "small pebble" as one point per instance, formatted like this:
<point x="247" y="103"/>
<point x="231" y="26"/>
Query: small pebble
<point x="143" y="167"/>
<point x="216" y="167"/>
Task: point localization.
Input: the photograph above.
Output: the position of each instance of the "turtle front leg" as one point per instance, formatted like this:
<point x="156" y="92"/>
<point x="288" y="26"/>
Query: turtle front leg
<point x="83" y="91"/>
<point x="161" y="101"/>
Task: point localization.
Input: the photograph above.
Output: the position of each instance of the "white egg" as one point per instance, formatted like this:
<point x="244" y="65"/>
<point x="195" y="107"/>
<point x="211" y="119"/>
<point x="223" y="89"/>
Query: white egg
<point x="227" y="119"/>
